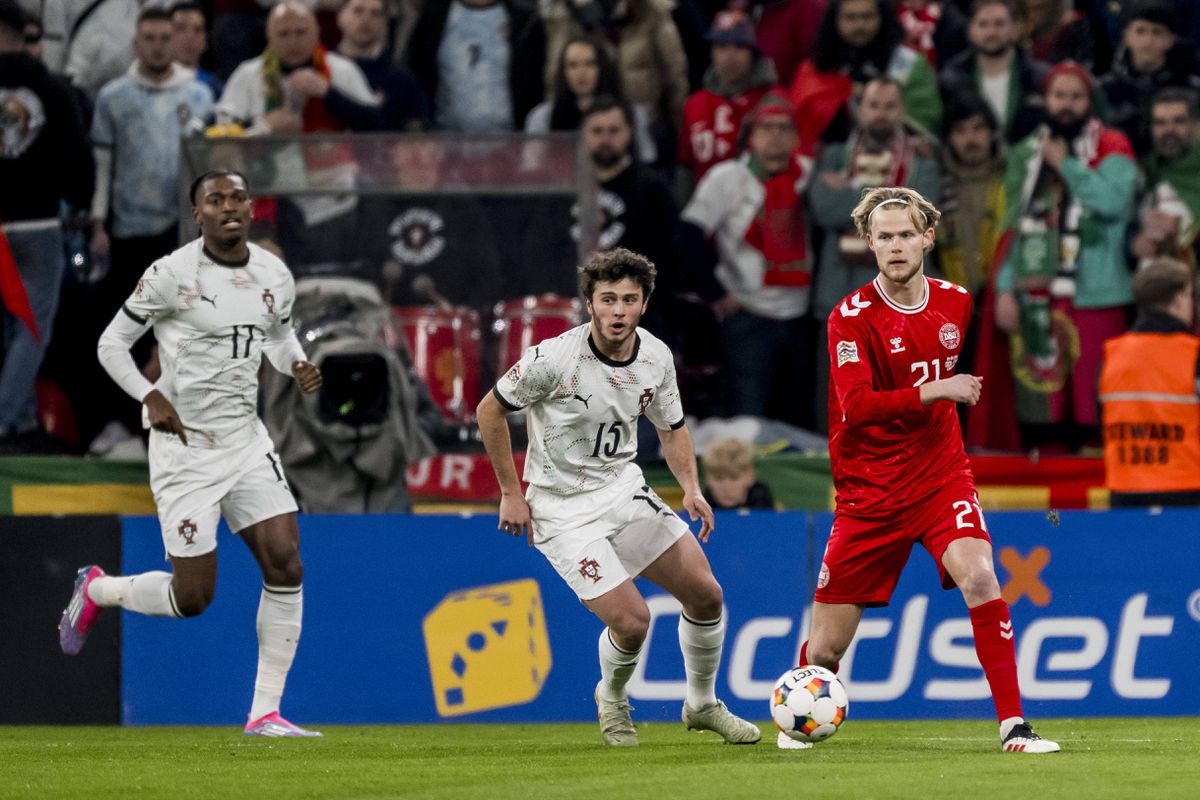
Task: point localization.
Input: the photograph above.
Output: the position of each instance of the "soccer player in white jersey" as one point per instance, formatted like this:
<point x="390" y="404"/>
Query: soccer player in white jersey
<point x="217" y="304"/>
<point x="588" y="508"/>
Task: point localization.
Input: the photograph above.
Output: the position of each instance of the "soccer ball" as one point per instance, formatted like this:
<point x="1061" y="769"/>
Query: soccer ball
<point x="809" y="704"/>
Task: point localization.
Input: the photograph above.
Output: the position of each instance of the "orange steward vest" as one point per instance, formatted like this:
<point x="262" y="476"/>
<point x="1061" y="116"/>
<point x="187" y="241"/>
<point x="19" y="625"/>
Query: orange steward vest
<point x="1151" y="412"/>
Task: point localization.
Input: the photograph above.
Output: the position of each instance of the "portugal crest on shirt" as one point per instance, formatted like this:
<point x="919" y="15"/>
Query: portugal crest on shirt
<point x="645" y="400"/>
<point x="268" y="301"/>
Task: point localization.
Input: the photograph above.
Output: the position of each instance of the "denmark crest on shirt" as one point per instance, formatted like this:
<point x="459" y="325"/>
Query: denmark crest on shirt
<point x="949" y="336"/>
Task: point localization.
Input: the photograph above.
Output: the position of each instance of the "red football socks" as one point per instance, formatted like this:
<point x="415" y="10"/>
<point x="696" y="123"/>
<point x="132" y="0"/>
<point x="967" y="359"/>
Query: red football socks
<point x="994" y="646"/>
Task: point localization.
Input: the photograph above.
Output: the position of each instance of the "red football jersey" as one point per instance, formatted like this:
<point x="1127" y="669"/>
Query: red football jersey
<point x="710" y="127"/>
<point x="886" y="450"/>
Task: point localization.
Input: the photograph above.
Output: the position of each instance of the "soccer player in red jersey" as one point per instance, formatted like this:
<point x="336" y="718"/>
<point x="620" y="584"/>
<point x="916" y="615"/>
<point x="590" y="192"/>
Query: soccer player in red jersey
<point x="896" y="451"/>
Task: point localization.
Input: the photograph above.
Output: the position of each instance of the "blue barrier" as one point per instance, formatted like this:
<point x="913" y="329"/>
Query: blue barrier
<point x="426" y="619"/>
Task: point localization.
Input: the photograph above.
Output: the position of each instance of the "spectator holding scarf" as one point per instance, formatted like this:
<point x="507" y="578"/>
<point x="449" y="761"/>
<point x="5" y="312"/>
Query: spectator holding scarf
<point x="1064" y="286"/>
<point x="296" y="85"/>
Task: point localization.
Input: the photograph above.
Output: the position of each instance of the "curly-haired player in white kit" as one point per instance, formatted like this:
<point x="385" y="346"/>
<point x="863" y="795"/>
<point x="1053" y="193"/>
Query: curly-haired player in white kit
<point x="588" y="508"/>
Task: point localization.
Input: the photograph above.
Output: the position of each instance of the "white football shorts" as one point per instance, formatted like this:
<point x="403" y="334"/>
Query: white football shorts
<point x="194" y="487"/>
<point x="599" y="539"/>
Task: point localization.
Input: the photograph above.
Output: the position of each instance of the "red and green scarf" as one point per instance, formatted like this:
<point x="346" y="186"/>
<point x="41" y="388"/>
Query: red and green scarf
<point x="316" y="117"/>
<point x="778" y="230"/>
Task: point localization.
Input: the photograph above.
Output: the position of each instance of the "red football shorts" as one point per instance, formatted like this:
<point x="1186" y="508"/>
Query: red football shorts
<point x="864" y="557"/>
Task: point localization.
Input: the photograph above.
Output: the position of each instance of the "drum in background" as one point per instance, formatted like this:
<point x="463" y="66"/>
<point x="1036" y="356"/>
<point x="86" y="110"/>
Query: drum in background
<point x="445" y="348"/>
<point x="524" y="322"/>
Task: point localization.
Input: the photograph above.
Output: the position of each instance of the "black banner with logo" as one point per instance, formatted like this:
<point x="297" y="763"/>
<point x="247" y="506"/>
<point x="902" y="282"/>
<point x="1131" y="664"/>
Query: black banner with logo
<point x="39" y="557"/>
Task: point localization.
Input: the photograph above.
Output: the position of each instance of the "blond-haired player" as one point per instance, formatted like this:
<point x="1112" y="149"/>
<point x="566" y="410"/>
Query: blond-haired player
<point x="896" y="451"/>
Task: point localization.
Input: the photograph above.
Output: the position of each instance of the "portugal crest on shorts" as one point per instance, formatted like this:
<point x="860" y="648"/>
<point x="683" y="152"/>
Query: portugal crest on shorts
<point x="823" y="577"/>
<point x="590" y="568"/>
<point x="188" y="529"/>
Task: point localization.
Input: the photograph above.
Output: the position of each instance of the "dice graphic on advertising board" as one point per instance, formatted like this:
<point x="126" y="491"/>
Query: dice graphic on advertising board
<point x="487" y="647"/>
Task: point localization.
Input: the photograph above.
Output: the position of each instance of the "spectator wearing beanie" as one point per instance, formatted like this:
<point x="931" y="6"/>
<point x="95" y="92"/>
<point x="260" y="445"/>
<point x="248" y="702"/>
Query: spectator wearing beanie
<point x="736" y="81"/>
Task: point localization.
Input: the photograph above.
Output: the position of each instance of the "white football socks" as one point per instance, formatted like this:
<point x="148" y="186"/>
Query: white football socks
<point x="701" y="644"/>
<point x="279" y="611"/>
<point x="616" y="666"/>
<point x="148" y="593"/>
<point x="1008" y="724"/>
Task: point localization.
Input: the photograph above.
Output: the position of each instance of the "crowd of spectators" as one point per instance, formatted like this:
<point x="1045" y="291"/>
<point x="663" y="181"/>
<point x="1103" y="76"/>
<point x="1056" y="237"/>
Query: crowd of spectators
<point x="728" y="143"/>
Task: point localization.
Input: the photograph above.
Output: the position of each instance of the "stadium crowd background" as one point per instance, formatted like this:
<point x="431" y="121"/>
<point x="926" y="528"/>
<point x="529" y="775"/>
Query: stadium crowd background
<point x="684" y="107"/>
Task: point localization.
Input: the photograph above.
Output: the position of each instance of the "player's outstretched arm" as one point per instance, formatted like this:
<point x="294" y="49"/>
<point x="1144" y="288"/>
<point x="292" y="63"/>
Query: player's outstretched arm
<point x="493" y="429"/>
<point x="680" y="453"/>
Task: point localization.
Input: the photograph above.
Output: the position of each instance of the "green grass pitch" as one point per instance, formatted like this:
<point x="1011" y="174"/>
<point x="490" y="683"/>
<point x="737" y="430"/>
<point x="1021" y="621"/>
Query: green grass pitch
<point x="960" y="760"/>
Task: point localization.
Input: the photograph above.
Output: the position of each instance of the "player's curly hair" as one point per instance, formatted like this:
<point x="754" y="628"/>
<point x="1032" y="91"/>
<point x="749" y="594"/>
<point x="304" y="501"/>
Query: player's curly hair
<point x="614" y="265"/>
<point x="922" y="212"/>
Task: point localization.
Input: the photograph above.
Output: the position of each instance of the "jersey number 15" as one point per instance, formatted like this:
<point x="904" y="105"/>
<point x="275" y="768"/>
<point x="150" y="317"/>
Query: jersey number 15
<point x="610" y="447"/>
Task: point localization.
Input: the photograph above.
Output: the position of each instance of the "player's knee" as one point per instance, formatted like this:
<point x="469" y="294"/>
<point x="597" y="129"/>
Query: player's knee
<point x="633" y="626"/>
<point x="286" y="570"/>
<point x="979" y="586"/>
<point x="707" y="602"/>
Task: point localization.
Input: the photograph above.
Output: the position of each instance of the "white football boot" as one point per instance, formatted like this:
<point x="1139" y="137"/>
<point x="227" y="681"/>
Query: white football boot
<point x="1022" y="739"/>
<point x="717" y="718"/>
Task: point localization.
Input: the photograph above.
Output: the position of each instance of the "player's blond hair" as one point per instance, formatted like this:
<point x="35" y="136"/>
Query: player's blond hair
<point x="727" y="458"/>
<point x="924" y="214"/>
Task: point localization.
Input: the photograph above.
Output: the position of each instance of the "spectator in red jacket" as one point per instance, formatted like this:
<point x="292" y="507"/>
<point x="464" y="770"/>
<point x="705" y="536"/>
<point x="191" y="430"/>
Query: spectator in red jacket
<point x="736" y="81"/>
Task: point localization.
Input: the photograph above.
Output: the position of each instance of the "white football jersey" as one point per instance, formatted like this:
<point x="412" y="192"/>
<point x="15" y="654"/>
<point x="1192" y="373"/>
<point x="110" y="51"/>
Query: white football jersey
<point x="584" y="407"/>
<point x="212" y="320"/>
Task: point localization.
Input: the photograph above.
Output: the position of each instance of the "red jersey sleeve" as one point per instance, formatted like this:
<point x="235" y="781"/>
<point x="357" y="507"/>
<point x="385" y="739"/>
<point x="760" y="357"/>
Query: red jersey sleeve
<point x="851" y="373"/>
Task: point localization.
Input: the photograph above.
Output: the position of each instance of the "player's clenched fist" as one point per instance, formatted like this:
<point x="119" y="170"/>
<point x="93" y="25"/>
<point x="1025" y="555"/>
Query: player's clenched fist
<point x="307" y="376"/>
<point x="963" y="389"/>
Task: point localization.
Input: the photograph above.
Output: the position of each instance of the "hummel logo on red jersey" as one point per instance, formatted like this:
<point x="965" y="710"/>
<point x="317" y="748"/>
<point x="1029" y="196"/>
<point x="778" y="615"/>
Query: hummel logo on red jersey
<point x="859" y="305"/>
<point x="897" y="345"/>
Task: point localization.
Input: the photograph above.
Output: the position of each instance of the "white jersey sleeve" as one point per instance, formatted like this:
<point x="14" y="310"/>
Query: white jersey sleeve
<point x="152" y="300"/>
<point x="665" y="410"/>
<point x="282" y="348"/>
<point x="534" y="377"/>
